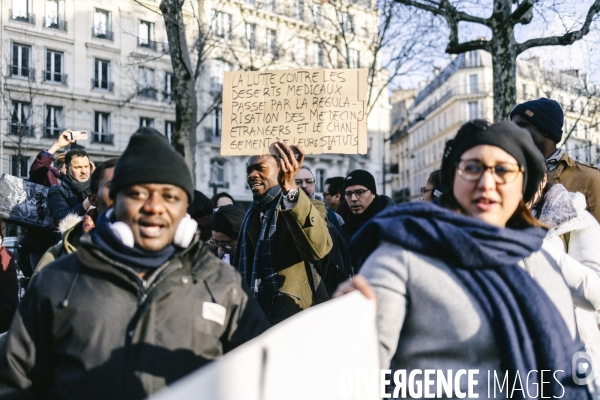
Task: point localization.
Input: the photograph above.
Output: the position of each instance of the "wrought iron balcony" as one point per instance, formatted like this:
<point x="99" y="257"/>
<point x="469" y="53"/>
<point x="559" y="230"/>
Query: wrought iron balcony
<point x="51" y="132"/>
<point x="149" y="44"/>
<point x="102" y="85"/>
<point x="102" y="33"/>
<point x="19" y="129"/>
<point x="147" y="92"/>
<point x="54" y="77"/>
<point x="22" y="17"/>
<point x="102" y="137"/>
<point x="22" y="72"/>
<point x="55" y="23"/>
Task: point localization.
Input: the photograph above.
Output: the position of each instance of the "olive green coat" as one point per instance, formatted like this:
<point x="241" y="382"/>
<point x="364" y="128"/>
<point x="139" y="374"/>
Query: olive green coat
<point x="301" y="240"/>
<point x="577" y="177"/>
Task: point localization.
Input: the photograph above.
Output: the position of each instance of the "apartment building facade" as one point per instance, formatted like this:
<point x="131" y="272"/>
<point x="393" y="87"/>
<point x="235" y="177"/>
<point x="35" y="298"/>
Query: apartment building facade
<point x="99" y="66"/>
<point x="464" y="91"/>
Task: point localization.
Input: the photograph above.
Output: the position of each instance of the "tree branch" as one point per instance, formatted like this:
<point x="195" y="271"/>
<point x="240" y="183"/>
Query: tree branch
<point x="566" y="39"/>
<point x="444" y="9"/>
<point x="524" y="12"/>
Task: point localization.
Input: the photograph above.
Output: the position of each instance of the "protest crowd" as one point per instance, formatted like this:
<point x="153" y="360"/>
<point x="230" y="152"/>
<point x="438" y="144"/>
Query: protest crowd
<point x="497" y="269"/>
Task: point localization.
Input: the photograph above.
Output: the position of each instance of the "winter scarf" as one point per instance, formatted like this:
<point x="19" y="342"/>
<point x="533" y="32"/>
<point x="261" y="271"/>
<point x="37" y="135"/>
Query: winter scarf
<point x="81" y="189"/>
<point x="133" y="257"/>
<point x="529" y="331"/>
<point x="260" y="272"/>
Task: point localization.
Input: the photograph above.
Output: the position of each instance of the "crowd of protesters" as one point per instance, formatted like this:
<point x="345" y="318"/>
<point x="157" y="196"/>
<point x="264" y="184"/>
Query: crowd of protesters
<point x="498" y="269"/>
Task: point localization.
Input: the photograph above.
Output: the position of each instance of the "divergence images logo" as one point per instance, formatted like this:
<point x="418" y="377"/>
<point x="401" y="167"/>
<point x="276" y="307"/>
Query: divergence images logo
<point x="583" y="368"/>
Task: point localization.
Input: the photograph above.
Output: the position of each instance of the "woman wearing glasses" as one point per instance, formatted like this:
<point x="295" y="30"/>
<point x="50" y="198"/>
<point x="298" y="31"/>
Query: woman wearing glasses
<point x="453" y="291"/>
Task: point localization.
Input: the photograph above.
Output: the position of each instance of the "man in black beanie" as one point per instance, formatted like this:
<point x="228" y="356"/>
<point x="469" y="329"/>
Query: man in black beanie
<point x="361" y="195"/>
<point x="544" y="119"/>
<point x="142" y="302"/>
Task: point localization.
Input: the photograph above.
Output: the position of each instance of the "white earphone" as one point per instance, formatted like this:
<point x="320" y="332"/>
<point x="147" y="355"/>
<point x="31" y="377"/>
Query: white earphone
<point x="184" y="234"/>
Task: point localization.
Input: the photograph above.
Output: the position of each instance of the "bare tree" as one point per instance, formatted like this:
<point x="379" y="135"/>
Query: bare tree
<point x="505" y="16"/>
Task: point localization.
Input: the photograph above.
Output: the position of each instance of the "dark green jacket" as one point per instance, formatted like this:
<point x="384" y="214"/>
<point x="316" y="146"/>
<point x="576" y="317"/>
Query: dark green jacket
<point x="91" y="328"/>
<point x="301" y="239"/>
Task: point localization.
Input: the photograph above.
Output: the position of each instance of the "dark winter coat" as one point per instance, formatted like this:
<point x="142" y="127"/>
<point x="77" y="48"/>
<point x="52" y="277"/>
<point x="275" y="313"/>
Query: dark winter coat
<point x="9" y="289"/>
<point x="62" y="200"/>
<point x="91" y="328"/>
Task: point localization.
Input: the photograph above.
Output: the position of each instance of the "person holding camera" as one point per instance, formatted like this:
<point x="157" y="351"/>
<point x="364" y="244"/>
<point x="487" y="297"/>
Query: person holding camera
<point x="71" y="195"/>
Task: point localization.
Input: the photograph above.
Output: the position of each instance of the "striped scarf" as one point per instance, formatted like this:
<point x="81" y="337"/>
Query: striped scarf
<point x="260" y="272"/>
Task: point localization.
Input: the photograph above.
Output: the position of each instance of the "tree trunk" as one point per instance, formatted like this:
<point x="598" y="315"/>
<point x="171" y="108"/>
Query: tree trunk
<point x="186" y="110"/>
<point x="504" y="60"/>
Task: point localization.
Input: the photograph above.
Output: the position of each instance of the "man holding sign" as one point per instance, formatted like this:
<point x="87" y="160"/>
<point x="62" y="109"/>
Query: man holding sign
<point x="284" y="234"/>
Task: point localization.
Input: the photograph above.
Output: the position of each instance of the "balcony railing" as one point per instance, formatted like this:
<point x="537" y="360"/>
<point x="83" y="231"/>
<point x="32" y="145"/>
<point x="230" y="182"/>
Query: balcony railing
<point x="168" y="96"/>
<point x="147" y="92"/>
<point x="22" y="17"/>
<point x="54" y="77"/>
<point x="22" y="72"/>
<point x="55" y="23"/>
<point x="19" y="129"/>
<point x="166" y="49"/>
<point x="149" y="44"/>
<point x="102" y="85"/>
<point x="102" y="33"/>
<point x="51" y="132"/>
<point x="102" y="137"/>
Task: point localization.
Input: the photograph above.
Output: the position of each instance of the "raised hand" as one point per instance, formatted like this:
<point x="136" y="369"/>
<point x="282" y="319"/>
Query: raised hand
<point x="288" y="165"/>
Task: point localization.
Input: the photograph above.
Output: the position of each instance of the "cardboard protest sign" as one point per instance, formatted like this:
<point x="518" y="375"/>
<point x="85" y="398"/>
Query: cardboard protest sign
<point x="24" y="203"/>
<point x="323" y="352"/>
<point x="321" y="110"/>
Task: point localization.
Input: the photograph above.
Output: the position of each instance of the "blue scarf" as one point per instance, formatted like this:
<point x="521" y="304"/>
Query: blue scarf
<point x="260" y="271"/>
<point x="529" y="331"/>
<point x="135" y="258"/>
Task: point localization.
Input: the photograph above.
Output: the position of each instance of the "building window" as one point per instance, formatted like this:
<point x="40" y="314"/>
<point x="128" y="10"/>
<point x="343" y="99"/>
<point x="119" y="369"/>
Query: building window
<point x="146" y="86"/>
<point x="271" y="5"/>
<point x="19" y="121"/>
<point x="21" y="62"/>
<point x="217" y="122"/>
<point x="55" y="11"/>
<point x="169" y="130"/>
<point x="168" y="87"/>
<point x="101" y="79"/>
<point x="353" y="58"/>
<point x="146" y="35"/>
<point x="146" y="122"/>
<point x="250" y="36"/>
<point x="472" y="59"/>
<point x="101" y="132"/>
<point x="217" y="73"/>
<point x="473" y="110"/>
<point x="53" y="125"/>
<point x="317" y="14"/>
<point x="19" y="166"/>
<point x="222" y="25"/>
<point x="347" y="23"/>
<point x="320" y="179"/>
<point x="54" y="67"/>
<point x="473" y="84"/>
<point x="299" y="9"/>
<point x="318" y="55"/>
<point x="299" y="54"/>
<point x="271" y="42"/>
<point x="21" y="11"/>
<point x="102" y="28"/>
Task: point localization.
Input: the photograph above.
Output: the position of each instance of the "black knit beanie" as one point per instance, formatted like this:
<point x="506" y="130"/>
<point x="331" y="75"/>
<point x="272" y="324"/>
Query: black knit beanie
<point x="361" y="177"/>
<point x="228" y="220"/>
<point x="545" y="114"/>
<point x="149" y="158"/>
<point x="505" y="135"/>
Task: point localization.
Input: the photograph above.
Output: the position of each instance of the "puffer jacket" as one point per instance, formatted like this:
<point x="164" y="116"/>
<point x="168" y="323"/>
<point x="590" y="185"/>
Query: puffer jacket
<point x="576" y="231"/>
<point x="91" y="328"/>
<point x="62" y="201"/>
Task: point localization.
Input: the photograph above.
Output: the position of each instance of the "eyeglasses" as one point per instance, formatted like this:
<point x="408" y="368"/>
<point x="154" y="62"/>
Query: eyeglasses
<point x="308" y="181"/>
<point x="325" y="194"/>
<point x="423" y="191"/>
<point x="471" y="170"/>
<point x="359" y="193"/>
<point x="224" y="245"/>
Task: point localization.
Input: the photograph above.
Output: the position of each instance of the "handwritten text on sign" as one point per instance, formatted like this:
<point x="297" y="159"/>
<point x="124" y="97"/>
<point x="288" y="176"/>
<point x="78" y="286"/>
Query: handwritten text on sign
<point x="323" y="111"/>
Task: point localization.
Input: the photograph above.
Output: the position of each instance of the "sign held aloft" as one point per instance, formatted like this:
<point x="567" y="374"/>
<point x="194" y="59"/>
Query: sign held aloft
<point x="320" y="110"/>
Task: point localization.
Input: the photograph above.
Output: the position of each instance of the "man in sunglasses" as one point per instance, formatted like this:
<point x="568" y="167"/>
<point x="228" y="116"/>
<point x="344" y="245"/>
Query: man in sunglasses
<point x="361" y="195"/>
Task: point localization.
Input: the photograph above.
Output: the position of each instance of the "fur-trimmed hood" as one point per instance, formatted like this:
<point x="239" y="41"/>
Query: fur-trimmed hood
<point x="563" y="211"/>
<point x="69" y="222"/>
